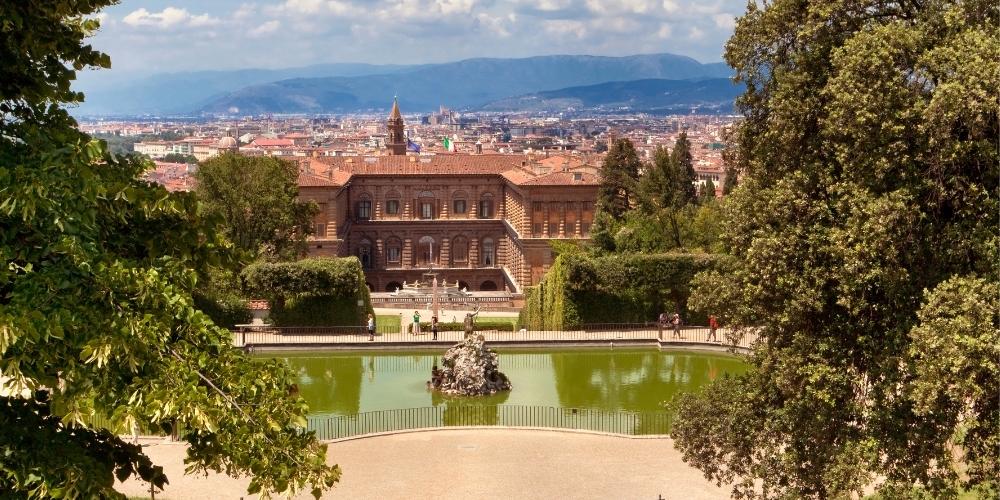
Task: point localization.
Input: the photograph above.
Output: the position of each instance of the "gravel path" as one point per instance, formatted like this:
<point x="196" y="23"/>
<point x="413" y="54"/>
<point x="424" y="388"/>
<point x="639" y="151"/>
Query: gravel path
<point x="475" y="463"/>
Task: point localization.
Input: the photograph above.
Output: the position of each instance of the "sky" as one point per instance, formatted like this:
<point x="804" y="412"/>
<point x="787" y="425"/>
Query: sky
<point x="153" y="36"/>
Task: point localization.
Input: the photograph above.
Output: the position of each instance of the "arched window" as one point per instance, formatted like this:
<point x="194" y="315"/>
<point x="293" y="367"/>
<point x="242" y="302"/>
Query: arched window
<point x="426" y="251"/>
<point x="488" y="286"/>
<point x="426" y="205"/>
<point x="463" y="285"/>
<point x="459" y="203"/>
<point x="392" y="203"/>
<point x="486" y="206"/>
<point x="489" y="253"/>
<point x="365" y="253"/>
<point x="363" y="208"/>
<point x="393" y="286"/>
<point x="460" y="251"/>
<point x="393" y="251"/>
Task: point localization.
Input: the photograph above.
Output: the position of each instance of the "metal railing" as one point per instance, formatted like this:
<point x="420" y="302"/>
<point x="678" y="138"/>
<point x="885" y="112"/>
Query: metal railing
<point x="327" y="427"/>
<point x="263" y="336"/>
<point x="374" y="422"/>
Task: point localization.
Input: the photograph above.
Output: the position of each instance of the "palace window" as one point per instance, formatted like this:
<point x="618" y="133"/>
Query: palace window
<point x="489" y="253"/>
<point x="364" y="210"/>
<point x="458" y="207"/>
<point x="426" y="210"/>
<point x="460" y="251"/>
<point x="392" y="251"/>
<point x="392" y="207"/>
<point x="486" y="206"/>
<point x="365" y="254"/>
<point x="320" y="231"/>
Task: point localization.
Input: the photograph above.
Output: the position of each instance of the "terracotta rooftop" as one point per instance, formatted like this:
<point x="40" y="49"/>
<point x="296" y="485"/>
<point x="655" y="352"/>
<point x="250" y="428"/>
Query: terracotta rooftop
<point x="570" y="178"/>
<point x="338" y="170"/>
<point x="420" y="165"/>
<point x="265" y="142"/>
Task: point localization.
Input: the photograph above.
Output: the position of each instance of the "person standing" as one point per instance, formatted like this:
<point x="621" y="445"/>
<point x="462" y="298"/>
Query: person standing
<point x="371" y="328"/>
<point x="416" y="322"/>
<point x="434" y="327"/>
<point x="713" y="325"/>
<point x="676" y="322"/>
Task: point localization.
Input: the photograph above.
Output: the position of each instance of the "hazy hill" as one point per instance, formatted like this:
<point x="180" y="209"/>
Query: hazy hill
<point x="110" y="93"/>
<point x="712" y="95"/>
<point x="463" y="84"/>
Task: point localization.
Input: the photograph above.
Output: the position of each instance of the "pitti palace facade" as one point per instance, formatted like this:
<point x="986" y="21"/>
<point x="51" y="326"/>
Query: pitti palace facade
<point x="484" y="220"/>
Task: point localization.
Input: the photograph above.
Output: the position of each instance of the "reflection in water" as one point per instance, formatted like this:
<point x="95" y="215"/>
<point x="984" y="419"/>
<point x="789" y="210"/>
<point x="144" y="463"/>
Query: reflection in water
<point x="631" y="380"/>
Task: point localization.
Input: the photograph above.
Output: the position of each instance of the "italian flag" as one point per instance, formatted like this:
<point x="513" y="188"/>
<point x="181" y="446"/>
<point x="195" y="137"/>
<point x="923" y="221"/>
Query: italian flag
<point x="448" y="145"/>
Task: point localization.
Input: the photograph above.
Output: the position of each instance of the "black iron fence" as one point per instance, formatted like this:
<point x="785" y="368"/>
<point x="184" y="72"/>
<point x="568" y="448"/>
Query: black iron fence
<point x="373" y="422"/>
<point x="263" y="336"/>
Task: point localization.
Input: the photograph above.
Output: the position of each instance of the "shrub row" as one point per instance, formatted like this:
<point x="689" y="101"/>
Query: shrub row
<point x="311" y="292"/>
<point x="580" y="289"/>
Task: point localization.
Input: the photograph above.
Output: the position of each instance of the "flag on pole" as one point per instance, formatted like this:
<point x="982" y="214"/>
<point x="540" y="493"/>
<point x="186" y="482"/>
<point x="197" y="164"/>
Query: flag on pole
<point x="447" y="144"/>
<point x="412" y="146"/>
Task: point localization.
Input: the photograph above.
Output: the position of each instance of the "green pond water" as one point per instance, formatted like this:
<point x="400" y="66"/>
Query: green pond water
<point x="346" y="383"/>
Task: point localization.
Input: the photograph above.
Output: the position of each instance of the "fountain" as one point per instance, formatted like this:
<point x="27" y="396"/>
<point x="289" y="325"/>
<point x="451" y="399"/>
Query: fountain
<point x="470" y="369"/>
<point x="431" y="291"/>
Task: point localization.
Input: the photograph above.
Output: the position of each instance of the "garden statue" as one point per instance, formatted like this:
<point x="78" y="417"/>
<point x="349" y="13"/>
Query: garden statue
<point x="469" y="368"/>
<point x="470" y="322"/>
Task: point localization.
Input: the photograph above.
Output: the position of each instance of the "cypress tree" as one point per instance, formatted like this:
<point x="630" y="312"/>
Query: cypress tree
<point x="619" y="179"/>
<point x="683" y="164"/>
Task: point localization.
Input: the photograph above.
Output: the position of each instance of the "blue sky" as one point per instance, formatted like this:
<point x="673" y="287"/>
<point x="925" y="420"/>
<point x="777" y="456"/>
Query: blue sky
<point x="180" y="35"/>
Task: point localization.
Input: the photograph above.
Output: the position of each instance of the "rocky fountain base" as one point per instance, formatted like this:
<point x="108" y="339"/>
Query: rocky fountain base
<point x="470" y="369"/>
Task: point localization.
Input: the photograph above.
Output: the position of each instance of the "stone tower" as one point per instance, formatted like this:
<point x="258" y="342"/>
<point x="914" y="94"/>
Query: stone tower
<point x="396" y="144"/>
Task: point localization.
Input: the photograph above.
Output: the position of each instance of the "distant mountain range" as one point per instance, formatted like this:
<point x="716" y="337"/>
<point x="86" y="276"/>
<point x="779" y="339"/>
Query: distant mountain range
<point x="711" y="95"/>
<point x="345" y="88"/>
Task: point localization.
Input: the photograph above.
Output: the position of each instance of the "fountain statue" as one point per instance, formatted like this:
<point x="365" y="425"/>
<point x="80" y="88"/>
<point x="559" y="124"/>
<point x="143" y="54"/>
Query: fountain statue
<point x="469" y="368"/>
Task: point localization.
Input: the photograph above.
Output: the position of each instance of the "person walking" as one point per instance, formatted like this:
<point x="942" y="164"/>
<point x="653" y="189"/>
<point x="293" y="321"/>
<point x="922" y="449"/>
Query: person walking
<point x="434" y="327"/>
<point x="713" y="325"/>
<point x="416" y="322"/>
<point x="371" y="328"/>
<point x="676" y="322"/>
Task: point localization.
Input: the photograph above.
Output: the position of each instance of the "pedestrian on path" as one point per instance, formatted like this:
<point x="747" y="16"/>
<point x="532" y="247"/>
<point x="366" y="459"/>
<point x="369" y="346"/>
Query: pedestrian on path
<point x="434" y="327"/>
<point x="676" y="321"/>
<point x="371" y="328"/>
<point x="713" y="325"/>
<point x="416" y="322"/>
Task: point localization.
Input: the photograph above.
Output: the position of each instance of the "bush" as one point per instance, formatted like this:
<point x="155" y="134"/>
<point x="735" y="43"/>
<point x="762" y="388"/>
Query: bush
<point x="226" y="309"/>
<point x="311" y="292"/>
<point x="581" y="289"/>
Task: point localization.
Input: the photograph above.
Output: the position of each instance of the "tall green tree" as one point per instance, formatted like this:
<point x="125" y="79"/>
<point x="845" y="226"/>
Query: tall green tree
<point x="683" y="163"/>
<point x="257" y="198"/>
<point x="97" y="322"/>
<point x="706" y="193"/>
<point x="619" y="179"/>
<point x="864" y="228"/>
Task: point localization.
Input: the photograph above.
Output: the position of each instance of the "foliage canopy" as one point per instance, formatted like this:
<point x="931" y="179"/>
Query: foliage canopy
<point x="97" y="321"/>
<point x="864" y="228"/>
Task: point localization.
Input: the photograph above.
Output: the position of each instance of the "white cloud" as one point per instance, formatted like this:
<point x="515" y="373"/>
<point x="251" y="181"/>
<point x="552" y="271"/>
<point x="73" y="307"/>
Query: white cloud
<point x="725" y="20"/>
<point x="497" y="25"/>
<point x="564" y="27"/>
<point x="665" y="31"/>
<point x="265" y="29"/>
<point x="670" y="6"/>
<point x="552" y="5"/>
<point x="245" y="11"/>
<point x="695" y="33"/>
<point x="621" y="6"/>
<point x="170" y="17"/>
<point x="313" y="7"/>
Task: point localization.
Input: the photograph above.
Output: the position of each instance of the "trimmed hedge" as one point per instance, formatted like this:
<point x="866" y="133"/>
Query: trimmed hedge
<point x="311" y="292"/>
<point x="580" y="289"/>
<point x="226" y="309"/>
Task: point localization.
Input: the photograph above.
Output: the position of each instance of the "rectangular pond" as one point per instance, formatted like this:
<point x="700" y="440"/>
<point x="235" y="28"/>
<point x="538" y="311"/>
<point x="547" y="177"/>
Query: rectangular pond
<point x="577" y="388"/>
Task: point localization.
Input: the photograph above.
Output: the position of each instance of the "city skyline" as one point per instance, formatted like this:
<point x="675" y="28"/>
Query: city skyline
<point x="183" y="35"/>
